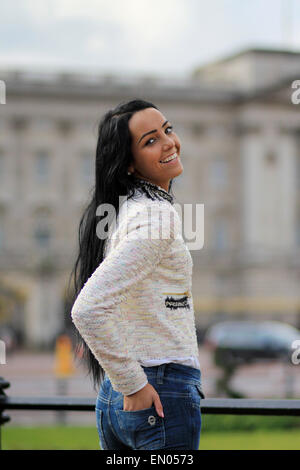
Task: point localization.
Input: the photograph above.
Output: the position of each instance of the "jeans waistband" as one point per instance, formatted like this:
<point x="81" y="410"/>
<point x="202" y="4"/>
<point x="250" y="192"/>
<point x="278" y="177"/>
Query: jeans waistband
<point x="173" y="372"/>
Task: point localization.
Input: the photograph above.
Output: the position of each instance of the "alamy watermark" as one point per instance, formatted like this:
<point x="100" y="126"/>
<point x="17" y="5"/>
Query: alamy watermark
<point x="2" y="92"/>
<point x="154" y="222"/>
<point x="2" y="352"/>
<point x="296" y="354"/>
<point x="295" y="98"/>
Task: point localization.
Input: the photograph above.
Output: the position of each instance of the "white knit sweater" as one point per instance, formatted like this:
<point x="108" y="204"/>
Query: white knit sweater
<point x="137" y="307"/>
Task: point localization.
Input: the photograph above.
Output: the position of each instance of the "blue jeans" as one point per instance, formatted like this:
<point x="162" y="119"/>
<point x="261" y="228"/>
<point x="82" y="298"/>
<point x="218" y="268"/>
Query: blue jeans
<point x="180" y="392"/>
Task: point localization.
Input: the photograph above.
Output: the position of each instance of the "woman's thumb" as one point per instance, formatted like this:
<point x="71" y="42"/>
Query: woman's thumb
<point x="158" y="406"/>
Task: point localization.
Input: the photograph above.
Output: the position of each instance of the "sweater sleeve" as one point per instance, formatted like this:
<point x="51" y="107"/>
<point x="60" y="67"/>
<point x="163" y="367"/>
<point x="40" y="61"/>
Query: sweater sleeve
<point x="95" y="311"/>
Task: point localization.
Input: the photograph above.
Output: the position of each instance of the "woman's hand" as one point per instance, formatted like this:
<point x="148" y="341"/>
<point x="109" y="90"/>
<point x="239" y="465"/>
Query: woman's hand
<point x="143" y="399"/>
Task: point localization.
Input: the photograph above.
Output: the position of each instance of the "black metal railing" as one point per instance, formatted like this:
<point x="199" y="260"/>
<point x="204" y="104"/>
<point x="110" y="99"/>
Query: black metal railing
<point x="230" y="406"/>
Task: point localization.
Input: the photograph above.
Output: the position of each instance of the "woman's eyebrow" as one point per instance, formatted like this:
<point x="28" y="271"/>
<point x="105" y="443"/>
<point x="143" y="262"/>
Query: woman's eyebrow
<point x="150" y="132"/>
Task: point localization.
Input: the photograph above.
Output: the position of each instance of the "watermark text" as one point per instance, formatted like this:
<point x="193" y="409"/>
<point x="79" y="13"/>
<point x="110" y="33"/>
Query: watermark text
<point x="153" y="222"/>
<point x="296" y="354"/>
<point x="295" y="98"/>
<point x="2" y="352"/>
<point x="2" y="92"/>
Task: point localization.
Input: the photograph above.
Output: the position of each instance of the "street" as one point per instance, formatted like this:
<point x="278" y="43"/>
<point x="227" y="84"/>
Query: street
<point x="32" y="374"/>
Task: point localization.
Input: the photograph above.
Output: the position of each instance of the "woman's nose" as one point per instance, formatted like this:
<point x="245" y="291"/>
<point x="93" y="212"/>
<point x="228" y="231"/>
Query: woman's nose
<point x="168" y="141"/>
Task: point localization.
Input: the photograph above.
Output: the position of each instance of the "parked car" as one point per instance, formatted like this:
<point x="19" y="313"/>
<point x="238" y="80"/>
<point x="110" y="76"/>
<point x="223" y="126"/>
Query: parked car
<point x="245" y="341"/>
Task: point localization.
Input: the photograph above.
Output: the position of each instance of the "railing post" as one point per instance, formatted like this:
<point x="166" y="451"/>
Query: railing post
<point x="3" y="418"/>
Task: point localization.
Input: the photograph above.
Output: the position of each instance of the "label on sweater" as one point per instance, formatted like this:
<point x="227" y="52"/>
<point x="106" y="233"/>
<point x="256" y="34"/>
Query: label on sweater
<point x="172" y="303"/>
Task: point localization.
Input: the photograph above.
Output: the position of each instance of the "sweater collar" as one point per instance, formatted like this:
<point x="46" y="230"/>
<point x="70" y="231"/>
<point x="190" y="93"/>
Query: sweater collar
<point x="152" y="190"/>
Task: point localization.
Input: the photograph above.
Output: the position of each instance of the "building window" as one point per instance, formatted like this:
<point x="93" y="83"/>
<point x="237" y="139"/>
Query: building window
<point x="42" y="232"/>
<point x="271" y="158"/>
<point x="197" y="129"/>
<point x="86" y="166"/>
<point x="1" y="238"/>
<point x="1" y="164"/>
<point x="297" y="171"/>
<point x="219" y="173"/>
<point x="65" y="126"/>
<point x="42" y="236"/>
<point x="43" y="123"/>
<point x="220" y="234"/>
<point x="42" y="165"/>
<point x="1" y="229"/>
<point x="19" y="123"/>
<point x="297" y="234"/>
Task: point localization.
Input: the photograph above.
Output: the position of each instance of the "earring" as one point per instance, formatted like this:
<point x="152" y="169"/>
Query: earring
<point x="128" y="173"/>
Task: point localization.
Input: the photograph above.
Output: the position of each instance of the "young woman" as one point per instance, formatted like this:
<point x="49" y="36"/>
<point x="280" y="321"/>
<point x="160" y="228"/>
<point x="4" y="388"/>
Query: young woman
<point x="134" y="307"/>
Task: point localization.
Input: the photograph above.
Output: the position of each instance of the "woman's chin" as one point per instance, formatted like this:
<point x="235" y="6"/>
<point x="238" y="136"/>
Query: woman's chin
<point x="178" y="170"/>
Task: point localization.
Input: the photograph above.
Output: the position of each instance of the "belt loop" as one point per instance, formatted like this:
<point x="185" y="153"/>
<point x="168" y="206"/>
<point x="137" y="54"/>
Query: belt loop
<point x="160" y="373"/>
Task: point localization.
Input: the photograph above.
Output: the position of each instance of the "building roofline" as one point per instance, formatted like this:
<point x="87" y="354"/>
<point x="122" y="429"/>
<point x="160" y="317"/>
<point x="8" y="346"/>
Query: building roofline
<point x="247" y="51"/>
<point x="267" y="90"/>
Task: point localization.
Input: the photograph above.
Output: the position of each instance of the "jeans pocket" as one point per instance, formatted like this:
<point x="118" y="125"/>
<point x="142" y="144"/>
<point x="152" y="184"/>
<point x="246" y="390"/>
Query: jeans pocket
<point x="197" y="395"/>
<point x="144" y="429"/>
<point x="199" y="388"/>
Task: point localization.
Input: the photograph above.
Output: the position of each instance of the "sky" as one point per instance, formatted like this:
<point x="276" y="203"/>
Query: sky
<point x="148" y="37"/>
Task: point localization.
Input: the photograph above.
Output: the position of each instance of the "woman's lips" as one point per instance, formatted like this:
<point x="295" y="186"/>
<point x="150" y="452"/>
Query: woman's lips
<point x="171" y="162"/>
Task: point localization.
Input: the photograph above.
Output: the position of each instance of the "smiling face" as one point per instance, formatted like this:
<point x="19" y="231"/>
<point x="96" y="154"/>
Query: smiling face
<point x="154" y="140"/>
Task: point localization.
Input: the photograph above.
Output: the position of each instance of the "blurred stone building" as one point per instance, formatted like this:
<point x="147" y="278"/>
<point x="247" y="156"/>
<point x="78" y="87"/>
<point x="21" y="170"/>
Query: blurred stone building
<point x="240" y="135"/>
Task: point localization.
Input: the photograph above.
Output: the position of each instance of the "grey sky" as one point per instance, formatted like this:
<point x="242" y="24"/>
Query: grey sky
<point x="160" y="37"/>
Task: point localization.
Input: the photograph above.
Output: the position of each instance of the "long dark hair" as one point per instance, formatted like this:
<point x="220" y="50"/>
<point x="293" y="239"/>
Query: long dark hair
<point x="113" y="157"/>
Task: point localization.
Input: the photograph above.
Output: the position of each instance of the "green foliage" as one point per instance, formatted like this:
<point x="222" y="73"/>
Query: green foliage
<point x="215" y="423"/>
<point x="249" y="440"/>
<point x="86" y="438"/>
<point x="50" y="438"/>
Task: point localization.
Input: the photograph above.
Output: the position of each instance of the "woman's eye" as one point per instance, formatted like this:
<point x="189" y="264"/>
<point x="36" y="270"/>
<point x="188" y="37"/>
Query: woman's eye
<point x="148" y="141"/>
<point x="152" y="138"/>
